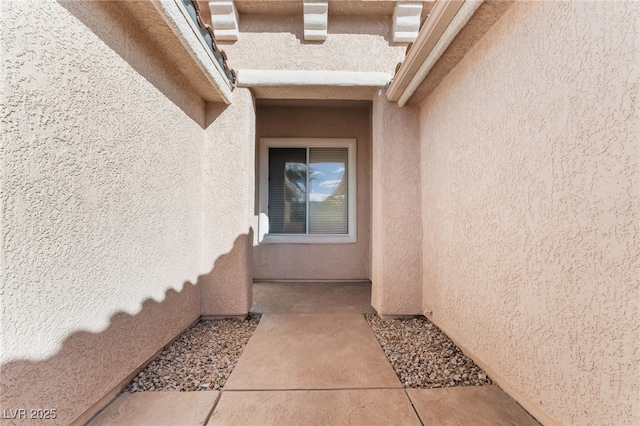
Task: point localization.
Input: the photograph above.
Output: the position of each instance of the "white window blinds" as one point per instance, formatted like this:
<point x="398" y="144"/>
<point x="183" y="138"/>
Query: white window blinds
<point x="328" y="191"/>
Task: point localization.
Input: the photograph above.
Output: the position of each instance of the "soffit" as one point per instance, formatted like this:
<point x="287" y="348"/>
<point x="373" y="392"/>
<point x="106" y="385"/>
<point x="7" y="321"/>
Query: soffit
<point x="304" y="93"/>
<point x="291" y="84"/>
<point x="322" y="103"/>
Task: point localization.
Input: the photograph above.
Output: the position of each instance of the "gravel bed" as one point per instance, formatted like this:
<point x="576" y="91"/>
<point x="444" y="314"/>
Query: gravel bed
<point x="423" y="356"/>
<point x="200" y="359"/>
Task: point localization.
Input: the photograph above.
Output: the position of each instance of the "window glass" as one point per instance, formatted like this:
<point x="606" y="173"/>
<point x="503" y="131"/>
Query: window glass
<point x="319" y="188"/>
<point x="328" y="191"/>
<point x="307" y="191"/>
<point x="287" y="190"/>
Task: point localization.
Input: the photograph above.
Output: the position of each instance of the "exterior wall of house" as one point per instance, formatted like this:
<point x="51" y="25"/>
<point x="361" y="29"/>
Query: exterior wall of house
<point x="396" y="237"/>
<point x="320" y="261"/>
<point x="101" y="203"/>
<point x="228" y="192"/>
<point x="530" y="208"/>
<point x="276" y="42"/>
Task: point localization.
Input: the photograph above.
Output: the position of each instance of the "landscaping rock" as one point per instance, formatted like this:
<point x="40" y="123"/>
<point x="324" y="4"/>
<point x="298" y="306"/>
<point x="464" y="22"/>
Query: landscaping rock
<point x="423" y="356"/>
<point x="201" y="359"/>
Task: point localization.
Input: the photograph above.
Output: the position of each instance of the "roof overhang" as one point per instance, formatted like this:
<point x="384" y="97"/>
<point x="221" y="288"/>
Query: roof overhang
<point x="439" y="21"/>
<point x="252" y="78"/>
<point x="303" y="84"/>
<point x="168" y="23"/>
<point x="450" y="31"/>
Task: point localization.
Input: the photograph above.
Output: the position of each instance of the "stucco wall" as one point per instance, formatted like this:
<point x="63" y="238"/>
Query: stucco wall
<point x="101" y="203"/>
<point x="396" y="237"/>
<point x="275" y="42"/>
<point x="228" y="194"/>
<point x="320" y="261"/>
<point x="530" y="208"/>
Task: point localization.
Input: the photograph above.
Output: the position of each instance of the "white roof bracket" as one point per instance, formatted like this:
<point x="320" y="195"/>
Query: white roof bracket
<point x="406" y="21"/>
<point x="316" y="15"/>
<point x="225" y="20"/>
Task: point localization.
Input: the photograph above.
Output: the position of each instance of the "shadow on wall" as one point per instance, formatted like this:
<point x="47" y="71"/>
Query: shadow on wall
<point x="226" y="289"/>
<point x="108" y="21"/>
<point x="89" y="365"/>
<point x="213" y="111"/>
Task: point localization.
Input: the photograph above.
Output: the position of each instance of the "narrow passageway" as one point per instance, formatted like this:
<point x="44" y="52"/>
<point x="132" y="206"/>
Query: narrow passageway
<point x="313" y="360"/>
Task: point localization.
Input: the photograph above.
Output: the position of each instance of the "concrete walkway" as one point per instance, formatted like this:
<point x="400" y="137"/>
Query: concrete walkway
<point x="313" y="360"/>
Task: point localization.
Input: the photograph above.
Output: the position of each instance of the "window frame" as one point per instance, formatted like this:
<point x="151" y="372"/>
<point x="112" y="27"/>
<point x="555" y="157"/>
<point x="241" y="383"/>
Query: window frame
<point x="263" y="221"/>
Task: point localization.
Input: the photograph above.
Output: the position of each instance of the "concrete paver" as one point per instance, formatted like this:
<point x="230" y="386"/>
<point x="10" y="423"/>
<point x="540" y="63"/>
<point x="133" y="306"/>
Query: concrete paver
<point x="158" y="408"/>
<point x="312" y="298"/>
<point x="308" y="351"/>
<point x="468" y="405"/>
<point x="304" y="408"/>
<point x="313" y="360"/>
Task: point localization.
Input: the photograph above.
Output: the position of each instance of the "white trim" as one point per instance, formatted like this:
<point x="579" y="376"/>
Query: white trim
<point x="455" y="26"/>
<point x="225" y="18"/>
<point x="178" y="19"/>
<point x="263" y="227"/>
<point x="316" y="17"/>
<point x="439" y="19"/>
<point x="406" y="21"/>
<point x="251" y="78"/>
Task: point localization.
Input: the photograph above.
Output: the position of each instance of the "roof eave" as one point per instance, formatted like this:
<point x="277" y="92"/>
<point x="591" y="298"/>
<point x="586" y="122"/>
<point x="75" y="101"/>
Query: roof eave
<point x="446" y="19"/>
<point x="168" y="23"/>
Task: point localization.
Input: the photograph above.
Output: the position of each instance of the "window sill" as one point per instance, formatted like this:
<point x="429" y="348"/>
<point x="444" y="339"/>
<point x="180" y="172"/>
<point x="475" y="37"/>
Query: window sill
<point x="309" y="239"/>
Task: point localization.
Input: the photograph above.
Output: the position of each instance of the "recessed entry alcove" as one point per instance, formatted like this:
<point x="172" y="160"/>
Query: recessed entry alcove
<point x="338" y="133"/>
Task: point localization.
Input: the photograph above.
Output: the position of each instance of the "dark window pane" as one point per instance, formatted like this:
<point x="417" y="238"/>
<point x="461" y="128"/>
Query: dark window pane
<point x="287" y="191"/>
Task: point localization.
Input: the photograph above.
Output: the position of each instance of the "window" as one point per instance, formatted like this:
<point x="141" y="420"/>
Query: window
<point x="307" y="191"/>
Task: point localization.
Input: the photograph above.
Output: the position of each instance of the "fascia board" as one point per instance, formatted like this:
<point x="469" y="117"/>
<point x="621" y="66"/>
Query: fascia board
<point x="288" y="78"/>
<point x="439" y="19"/>
<point x="176" y="17"/>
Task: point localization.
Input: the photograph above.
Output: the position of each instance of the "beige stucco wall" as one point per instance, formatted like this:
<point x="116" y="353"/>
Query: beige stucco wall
<point x="320" y="261"/>
<point x="396" y="236"/>
<point x="102" y="205"/>
<point x="276" y="42"/>
<point x="530" y="203"/>
<point x="228" y="194"/>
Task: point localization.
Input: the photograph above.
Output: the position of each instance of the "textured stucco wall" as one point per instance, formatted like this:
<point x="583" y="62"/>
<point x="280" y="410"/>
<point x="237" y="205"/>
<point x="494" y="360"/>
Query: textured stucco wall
<point x="101" y="203"/>
<point x="396" y="227"/>
<point x="530" y="202"/>
<point x="320" y="261"/>
<point x="275" y="42"/>
<point x="228" y="195"/>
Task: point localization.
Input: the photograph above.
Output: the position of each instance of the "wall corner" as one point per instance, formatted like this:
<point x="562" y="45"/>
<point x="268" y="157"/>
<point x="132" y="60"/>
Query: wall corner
<point x="396" y="253"/>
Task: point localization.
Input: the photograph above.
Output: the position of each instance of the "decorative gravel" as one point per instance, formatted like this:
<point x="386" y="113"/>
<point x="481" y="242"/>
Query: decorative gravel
<point x="423" y="356"/>
<point x="200" y="359"/>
